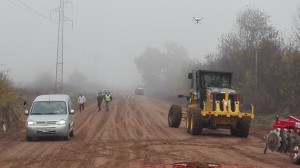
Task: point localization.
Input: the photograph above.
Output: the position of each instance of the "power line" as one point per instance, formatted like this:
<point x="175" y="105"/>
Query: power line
<point x="12" y="2"/>
<point x="28" y="8"/>
<point x="34" y="10"/>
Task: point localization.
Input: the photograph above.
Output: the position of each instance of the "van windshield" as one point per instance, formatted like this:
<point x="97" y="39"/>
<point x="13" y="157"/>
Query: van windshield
<point x="48" y="108"/>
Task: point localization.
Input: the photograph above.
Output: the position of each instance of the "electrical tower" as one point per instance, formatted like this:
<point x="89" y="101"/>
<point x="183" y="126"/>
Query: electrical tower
<point x="60" y="47"/>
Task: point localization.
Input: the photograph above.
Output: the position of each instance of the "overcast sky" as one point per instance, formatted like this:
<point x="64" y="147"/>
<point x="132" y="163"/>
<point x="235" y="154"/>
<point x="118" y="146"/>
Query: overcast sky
<point x="108" y="34"/>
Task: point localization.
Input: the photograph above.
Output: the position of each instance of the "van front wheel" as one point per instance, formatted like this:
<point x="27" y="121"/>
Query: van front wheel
<point x="67" y="137"/>
<point x="28" y="138"/>
<point x="72" y="133"/>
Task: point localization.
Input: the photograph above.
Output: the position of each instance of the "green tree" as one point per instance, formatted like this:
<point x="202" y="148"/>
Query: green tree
<point x="289" y="89"/>
<point x="160" y="71"/>
<point x="6" y="90"/>
<point x="296" y="27"/>
<point x="177" y="59"/>
<point x="252" y="51"/>
<point x="252" y="25"/>
<point x="44" y="83"/>
<point x="152" y="66"/>
<point x="9" y="100"/>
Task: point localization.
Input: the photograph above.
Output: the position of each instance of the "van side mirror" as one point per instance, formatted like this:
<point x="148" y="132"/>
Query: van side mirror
<point x="72" y="112"/>
<point x="26" y="112"/>
<point x="190" y="76"/>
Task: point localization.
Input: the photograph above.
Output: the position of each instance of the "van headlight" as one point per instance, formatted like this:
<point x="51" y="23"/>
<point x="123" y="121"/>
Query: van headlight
<point x="31" y="123"/>
<point x="61" y="122"/>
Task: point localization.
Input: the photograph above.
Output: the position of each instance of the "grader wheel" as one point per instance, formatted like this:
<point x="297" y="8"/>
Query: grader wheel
<point x="196" y="122"/>
<point x="233" y="131"/>
<point x="243" y="127"/>
<point x="174" y="117"/>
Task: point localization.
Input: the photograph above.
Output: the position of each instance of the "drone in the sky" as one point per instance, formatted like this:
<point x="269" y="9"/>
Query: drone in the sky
<point x="197" y="19"/>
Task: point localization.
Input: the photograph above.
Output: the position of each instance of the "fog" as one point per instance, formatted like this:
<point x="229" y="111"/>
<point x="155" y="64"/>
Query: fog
<point x="108" y="35"/>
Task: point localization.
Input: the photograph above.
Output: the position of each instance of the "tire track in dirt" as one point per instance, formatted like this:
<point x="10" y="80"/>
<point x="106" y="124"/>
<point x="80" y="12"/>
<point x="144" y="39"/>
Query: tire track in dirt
<point x="84" y="122"/>
<point x="135" y="133"/>
<point x="125" y="119"/>
<point x="149" y="119"/>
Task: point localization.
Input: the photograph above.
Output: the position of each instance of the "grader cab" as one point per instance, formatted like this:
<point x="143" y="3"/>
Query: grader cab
<point x="212" y="104"/>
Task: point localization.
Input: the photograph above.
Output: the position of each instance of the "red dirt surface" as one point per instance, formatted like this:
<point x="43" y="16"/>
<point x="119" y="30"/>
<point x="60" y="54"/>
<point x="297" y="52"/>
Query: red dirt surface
<point x="135" y="134"/>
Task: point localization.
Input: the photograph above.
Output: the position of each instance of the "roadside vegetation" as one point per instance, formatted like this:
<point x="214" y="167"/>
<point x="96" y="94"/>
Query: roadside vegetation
<point x="14" y="99"/>
<point x="10" y="103"/>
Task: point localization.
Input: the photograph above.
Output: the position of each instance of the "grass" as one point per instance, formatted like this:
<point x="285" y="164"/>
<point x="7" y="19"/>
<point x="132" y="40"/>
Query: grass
<point x="263" y="120"/>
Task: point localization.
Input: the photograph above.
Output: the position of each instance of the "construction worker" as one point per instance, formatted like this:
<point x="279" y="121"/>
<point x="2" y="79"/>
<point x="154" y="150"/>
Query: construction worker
<point x="108" y="99"/>
<point x="99" y="100"/>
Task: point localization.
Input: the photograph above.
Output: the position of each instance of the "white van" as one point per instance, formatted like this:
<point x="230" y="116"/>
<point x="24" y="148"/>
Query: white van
<point x="50" y="115"/>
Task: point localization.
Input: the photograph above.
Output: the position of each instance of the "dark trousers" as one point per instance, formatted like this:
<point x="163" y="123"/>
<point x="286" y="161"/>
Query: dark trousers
<point x="107" y="105"/>
<point x="81" y="107"/>
<point x="99" y="104"/>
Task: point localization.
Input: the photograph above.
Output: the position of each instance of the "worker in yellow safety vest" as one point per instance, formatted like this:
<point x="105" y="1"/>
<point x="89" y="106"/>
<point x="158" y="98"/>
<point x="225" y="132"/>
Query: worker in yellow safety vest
<point x="108" y="99"/>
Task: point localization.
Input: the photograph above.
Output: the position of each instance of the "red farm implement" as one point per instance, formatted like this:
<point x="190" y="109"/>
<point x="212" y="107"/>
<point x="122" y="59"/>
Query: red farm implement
<point x="285" y="137"/>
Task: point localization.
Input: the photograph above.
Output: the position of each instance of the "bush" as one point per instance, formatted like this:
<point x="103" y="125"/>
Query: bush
<point x="263" y="120"/>
<point x="10" y="102"/>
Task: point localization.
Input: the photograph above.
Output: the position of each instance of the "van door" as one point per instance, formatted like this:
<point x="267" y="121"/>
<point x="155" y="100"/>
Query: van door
<point x="70" y="115"/>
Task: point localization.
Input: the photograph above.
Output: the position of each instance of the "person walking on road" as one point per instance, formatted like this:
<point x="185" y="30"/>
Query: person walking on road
<point x="99" y="100"/>
<point x="81" y="101"/>
<point x="108" y="98"/>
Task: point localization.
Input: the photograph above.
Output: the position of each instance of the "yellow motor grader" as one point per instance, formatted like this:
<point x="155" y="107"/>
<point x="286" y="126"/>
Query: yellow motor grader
<point x="212" y="104"/>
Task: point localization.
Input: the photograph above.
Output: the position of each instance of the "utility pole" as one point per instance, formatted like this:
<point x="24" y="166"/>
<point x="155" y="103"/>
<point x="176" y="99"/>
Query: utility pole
<point x="256" y="71"/>
<point x="256" y="64"/>
<point x="60" y="50"/>
<point x="60" y="46"/>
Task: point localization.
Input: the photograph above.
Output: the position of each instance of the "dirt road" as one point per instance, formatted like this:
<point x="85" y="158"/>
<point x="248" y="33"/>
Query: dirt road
<point x="135" y="133"/>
